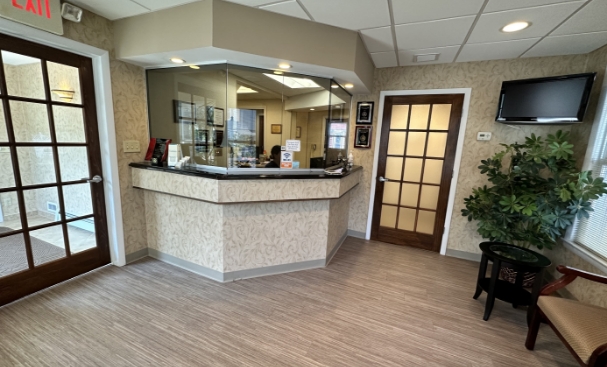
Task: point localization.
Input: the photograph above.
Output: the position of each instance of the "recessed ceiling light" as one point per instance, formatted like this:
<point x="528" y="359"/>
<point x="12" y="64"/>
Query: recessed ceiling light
<point x="195" y="67"/>
<point x="349" y="85"/>
<point x="245" y="90"/>
<point x="334" y="86"/>
<point x="284" y="65"/>
<point x="278" y="72"/>
<point x="311" y="109"/>
<point x="177" y="60"/>
<point x="515" y="26"/>
<point x="294" y="83"/>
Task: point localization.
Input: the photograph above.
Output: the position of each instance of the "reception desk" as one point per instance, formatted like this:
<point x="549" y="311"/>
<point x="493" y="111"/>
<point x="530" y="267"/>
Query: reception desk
<point x="229" y="227"/>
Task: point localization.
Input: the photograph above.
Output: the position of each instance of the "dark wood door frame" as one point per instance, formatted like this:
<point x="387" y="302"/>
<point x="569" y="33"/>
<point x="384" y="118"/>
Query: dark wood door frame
<point x="36" y="278"/>
<point x="449" y="174"/>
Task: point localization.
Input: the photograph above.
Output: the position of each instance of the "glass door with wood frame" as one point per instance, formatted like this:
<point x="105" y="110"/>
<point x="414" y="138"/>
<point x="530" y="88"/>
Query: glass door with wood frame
<point x="52" y="213"/>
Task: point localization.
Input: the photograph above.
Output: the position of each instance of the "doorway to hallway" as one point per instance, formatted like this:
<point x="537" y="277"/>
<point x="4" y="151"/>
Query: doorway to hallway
<point x="415" y="167"/>
<point x="52" y="212"/>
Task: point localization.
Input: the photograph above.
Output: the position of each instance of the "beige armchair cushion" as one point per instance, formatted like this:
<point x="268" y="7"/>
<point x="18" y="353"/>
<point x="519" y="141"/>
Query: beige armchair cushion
<point x="583" y="326"/>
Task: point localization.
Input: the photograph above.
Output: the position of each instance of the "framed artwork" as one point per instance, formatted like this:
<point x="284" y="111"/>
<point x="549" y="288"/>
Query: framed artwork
<point x="362" y="137"/>
<point x="219" y="117"/>
<point x="364" y="113"/>
<point x="276" y="129"/>
<point x="184" y="112"/>
<point x="298" y="132"/>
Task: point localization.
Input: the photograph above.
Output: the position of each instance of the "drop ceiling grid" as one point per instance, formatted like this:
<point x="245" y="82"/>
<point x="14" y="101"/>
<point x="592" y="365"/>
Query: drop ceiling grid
<point x="394" y="31"/>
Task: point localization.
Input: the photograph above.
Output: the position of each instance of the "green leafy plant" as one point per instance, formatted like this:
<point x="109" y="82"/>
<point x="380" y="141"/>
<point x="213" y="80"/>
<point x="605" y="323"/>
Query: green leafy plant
<point x="535" y="196"/>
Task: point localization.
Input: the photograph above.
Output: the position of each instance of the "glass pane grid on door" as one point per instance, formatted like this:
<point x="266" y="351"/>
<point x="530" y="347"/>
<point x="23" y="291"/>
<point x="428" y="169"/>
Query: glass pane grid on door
<point x="415" y="154"/>
<point x="46" y="201"/>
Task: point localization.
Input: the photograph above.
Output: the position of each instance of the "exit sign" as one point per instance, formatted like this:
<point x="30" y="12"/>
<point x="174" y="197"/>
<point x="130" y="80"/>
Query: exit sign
<point x="41" y="14"/>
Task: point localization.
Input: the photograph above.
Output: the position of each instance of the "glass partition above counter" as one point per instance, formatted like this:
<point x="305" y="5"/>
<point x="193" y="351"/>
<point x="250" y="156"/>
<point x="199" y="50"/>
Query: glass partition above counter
<point x="235" y="119"/>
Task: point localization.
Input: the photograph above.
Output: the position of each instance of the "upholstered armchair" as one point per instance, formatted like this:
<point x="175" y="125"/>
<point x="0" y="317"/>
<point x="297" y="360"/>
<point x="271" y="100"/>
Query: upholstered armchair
<point x="581" y="327"/>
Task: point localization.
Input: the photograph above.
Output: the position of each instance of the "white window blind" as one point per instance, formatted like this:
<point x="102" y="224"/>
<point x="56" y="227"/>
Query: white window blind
<point x="592" y="232"/>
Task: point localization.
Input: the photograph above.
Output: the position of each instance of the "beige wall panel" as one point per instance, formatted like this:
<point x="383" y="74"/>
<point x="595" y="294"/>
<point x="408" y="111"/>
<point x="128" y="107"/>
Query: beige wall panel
<point x="179" y="28"/>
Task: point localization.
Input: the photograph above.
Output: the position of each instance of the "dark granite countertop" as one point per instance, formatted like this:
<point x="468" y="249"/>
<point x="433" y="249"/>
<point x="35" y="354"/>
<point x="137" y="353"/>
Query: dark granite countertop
<point x="223" y="176"/>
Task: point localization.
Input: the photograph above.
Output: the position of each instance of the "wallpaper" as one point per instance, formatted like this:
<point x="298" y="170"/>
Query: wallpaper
<point x="485" y="79"/>
<point x="130" y="116"/>
<point x="184" y="228"/>
<point x="258" y="235"/>
<point x="338" y="221"/>
<point x="187" y="186"/>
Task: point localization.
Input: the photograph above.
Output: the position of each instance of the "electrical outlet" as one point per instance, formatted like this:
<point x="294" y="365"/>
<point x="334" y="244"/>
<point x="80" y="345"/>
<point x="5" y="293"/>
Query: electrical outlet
<point x="483" y="136"/>
<point x="131" y="146"/>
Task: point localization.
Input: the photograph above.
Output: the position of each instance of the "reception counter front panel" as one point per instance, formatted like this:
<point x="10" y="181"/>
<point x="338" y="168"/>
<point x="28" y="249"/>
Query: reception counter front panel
<point x="229" y="229"/>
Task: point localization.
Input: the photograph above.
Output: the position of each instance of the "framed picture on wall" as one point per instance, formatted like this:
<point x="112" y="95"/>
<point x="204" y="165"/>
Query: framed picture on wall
<point x="362" y="137"/>
<point x="364" y="113"/>
<point x="219" y="117"/>
<point x="276" y="129"/>
<point x="184" y="112"/>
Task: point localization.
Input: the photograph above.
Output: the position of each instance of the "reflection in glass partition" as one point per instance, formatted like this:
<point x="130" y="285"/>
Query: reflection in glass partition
<point x="239" y="117"/>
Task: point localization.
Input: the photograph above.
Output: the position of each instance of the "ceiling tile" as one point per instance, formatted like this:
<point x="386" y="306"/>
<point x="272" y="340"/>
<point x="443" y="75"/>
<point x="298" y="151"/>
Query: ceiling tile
<point x="378" y="39"/>
<point x="111" y="9"/>
<point x="356" y="15"/>
<point x="543" y="19"/>
<point x="499" y="5"/>
<point x="446" y="55"/>
<point x="290" y="8"/>
<point x="154" y="5"/>
<point x="495" y="51"/>
<point x="252" y="2"/>
<point x="589" y="19"/>
<point x="384" y="59"/>
<point x="439" y="33"/>
<point x="568" y="45"/>
<point x="412" y="11"/>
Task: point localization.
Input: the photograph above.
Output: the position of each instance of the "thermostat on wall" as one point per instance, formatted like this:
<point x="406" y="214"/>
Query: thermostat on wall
<point x="483" y="136"/>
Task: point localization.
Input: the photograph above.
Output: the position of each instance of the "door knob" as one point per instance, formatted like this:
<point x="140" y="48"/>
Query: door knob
<point x="95" y="179"/>
<point x="382" y="179"/>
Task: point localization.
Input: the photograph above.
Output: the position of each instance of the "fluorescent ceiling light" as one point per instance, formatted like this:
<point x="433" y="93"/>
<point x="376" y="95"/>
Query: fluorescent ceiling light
<point x="245" y="90"/>
<point x="177" y="60"/>
<point x="515" y="27"/>
<point x="293" y="83"/>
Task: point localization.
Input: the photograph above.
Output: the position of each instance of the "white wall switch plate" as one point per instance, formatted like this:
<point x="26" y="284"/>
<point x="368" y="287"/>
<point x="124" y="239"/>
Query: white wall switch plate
<point x="484" y="136"/>
<point x="131" y="146"/>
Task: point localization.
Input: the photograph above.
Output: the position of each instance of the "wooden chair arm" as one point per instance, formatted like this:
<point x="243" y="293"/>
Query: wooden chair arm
<point x="582" y="274"/>
<point x="569" y="275"/>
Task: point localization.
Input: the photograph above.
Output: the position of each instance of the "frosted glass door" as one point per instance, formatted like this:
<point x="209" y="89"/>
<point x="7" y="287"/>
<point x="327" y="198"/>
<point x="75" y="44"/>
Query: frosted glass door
<point x="418" y="144"/>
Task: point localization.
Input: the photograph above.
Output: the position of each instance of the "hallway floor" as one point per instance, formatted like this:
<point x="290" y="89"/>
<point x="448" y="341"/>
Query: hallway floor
<point x="374" y="305"/>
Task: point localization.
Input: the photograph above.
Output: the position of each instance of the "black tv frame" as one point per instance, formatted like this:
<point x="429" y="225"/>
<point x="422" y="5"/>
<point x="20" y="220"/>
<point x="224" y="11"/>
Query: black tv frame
<point x="590" y="78"/>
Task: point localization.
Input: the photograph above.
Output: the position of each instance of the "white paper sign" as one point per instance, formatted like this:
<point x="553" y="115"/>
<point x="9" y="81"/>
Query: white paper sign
<point x="286" y="159"/>
<point x="294" y="145"/>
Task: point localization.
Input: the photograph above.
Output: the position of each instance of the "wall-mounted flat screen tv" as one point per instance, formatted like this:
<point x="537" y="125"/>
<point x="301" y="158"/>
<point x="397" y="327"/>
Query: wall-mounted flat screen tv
<point x="553" y="100"/>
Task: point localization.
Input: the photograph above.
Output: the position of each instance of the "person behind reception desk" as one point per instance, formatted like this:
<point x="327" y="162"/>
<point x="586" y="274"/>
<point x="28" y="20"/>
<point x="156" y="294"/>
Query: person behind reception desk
<point x="274" y="157"/>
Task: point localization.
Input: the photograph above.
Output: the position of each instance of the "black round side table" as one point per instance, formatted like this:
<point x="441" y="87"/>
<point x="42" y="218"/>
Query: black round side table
<point x="521" y="260"/>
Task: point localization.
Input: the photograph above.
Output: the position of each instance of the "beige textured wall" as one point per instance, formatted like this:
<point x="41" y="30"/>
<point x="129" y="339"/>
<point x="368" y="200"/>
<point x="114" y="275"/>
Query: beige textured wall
<point x="130" y="115"/>
<point x="584" y="290"/>
<point x="485" y="79"/>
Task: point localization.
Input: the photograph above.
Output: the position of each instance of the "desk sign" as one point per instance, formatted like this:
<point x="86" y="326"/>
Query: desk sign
<point x="294" y="145"/>
<point x="286" y="159"/>
<point x="41" y="14"/>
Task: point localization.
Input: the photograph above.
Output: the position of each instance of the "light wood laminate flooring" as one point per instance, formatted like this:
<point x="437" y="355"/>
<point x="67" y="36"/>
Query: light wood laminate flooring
<point x="374" y="305"/>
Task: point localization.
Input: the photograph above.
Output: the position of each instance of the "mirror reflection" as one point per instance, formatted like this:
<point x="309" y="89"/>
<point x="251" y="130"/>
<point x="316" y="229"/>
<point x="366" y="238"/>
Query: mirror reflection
<point x="239" y="117"/>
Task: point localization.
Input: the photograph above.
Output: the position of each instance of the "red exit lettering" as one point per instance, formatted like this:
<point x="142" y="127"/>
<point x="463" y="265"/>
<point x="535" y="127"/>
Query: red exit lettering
<point x="31" y="7"/>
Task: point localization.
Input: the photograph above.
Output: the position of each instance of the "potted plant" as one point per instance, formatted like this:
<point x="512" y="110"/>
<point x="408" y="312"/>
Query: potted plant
<point x="534" y="196"/>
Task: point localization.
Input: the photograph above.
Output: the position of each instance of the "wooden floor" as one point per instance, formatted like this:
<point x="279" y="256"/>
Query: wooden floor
<point x="374" y="305"/>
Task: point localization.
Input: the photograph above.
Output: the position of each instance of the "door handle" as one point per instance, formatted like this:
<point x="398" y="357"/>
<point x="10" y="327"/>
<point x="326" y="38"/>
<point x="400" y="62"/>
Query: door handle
<point x="95" y="179"/>
<point x="382" y="179"/>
